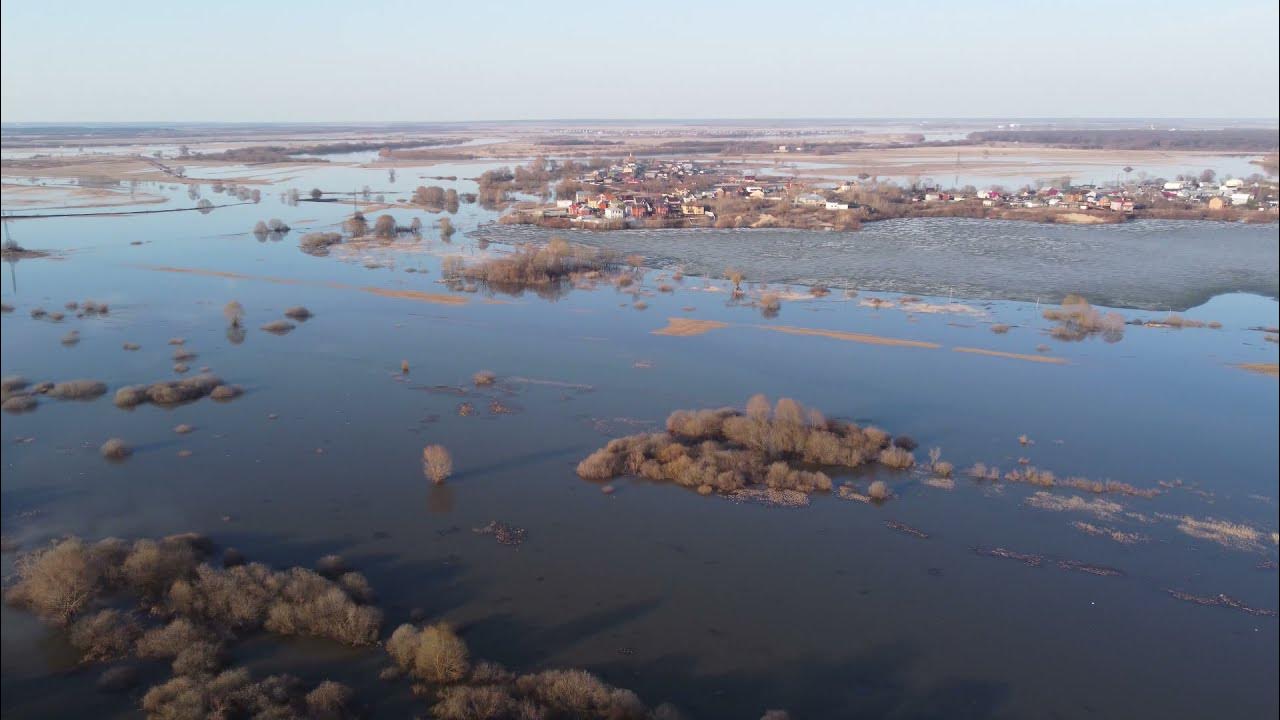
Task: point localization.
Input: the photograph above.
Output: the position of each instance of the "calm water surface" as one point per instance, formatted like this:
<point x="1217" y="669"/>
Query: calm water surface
<point x="721" y="608"/>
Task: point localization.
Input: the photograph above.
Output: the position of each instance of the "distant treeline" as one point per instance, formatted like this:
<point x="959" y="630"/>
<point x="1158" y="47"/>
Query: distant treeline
<point x="281" y="153"/>
<point x="576" y="141"/>
<point x="1237" y="140"/>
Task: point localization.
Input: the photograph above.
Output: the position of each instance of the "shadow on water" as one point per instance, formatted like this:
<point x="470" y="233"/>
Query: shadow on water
<point x="521" y="645"/>
<point x="874" y="683"/>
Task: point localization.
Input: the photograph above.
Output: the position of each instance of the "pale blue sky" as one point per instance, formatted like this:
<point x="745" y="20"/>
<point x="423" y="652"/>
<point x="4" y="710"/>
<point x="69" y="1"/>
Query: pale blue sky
<point x="384" y="60"/>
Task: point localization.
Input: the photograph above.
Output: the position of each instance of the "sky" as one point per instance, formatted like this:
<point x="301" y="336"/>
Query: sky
<point x="395" y="60"/>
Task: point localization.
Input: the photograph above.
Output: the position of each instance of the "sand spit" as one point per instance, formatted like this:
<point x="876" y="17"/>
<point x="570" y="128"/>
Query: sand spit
<point x="851" y="336"/>
<point x="420" y="296"/>
<point x="1013" y="356"/>
<point x="439" y="298"/>
<point x="1271" y="369"/>
<point x="687" y="327"/>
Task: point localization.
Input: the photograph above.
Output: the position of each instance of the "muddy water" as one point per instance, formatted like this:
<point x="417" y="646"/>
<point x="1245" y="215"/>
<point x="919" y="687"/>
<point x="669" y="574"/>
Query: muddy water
<point x="724" y="609"/>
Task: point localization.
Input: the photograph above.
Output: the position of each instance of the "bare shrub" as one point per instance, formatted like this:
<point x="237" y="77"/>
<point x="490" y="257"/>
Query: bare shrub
<point x="279" y="327"/>
<point x="298" y="312"/>
<point x="484" y="377"/>
<point x="226" y="392"/>
<point x="999" y="328"/>
<point x="896" y="457"/>
<point x="384" y="227"/>
<point x="289" y="602"/>
<point x="726" y="450"/>
<point x="437" y="463"/>
<point x="547" y="269"/>
<point x="770" y="304"/>
<point x="58" y="582"/>
<point x="234" y="313"/>
<point x="105" y="635"/>
<point x="577" y="693"/>
<point x="169" y="640"/>
<point x="170" y="392"/>
<point x="231" y="694"/>
<point x="434" y="653"/>
<point x="78" y="390"/>
<point x="329" y="699"/>
<point x="878" y="490"/>
<point x="317" y="243"/>
<point x="1078" y="320"/>
<point x="115" y="449"/>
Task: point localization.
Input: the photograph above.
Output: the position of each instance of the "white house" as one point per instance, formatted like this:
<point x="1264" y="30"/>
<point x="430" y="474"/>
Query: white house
<point x="613" y="212"/>
<point x="1240" y="198"/>
<point x="831" y="205"/>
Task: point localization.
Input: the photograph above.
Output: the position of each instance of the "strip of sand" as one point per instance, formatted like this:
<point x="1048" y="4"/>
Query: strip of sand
<point x="1013" y="356"/>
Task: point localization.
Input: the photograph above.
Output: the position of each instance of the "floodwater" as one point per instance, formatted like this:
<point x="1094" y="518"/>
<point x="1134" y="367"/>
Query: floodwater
<point x="724" y="609"/>
<point x="1149" y="264"/>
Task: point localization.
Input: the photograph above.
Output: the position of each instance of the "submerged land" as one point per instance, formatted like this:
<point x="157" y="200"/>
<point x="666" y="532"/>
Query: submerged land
<point x="640" y="420"/>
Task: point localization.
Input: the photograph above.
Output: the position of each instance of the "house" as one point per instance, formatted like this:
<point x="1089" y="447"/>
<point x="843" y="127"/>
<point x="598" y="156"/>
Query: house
<point x="1173" y="186"/>
<point x="613" y="212"/>
<point x="1240" y="198"/>
<point x="1217" y="203"/>
<point x="810" y="199"/>
<point x="832" y="205"/>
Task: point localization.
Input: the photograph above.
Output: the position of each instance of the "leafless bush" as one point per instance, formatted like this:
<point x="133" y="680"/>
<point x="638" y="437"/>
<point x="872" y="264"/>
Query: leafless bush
<point x="484" y="377"/>
<point x="231" y="694"/>
<point x="1077" y="320"/>
<point x="298" y="312"/>
<point x="727" y="450"/>
<point x="279" y="327"/>
<point x="105" y="635"/>
<point x="78" y="390"/>
<point x="115" y="449"/>
<point x="317" y="243"/>
<point x="385" y="227"/>
<point x="878" y="490"/>
<point x="999" y="328"/>
<point x="170" y="392"/>
<point x="535" y="267"/>
<point x="434" y="653"/>
<point x="437" y="464"/>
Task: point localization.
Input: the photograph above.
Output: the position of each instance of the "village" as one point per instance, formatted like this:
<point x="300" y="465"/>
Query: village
<point x="685" y="193"/>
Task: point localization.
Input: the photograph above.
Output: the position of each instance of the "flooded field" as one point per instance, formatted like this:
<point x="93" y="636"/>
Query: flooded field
<point x="1138" y="580"/>
<point x="1146" y="265"/>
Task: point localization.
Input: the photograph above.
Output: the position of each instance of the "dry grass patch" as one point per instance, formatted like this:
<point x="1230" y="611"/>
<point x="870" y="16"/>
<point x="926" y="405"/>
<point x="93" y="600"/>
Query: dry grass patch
<point x="687" y="327"/>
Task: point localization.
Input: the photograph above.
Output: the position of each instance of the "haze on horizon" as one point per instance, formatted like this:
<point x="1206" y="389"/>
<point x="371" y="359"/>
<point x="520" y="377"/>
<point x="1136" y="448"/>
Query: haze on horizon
<point x="393" y="60"/>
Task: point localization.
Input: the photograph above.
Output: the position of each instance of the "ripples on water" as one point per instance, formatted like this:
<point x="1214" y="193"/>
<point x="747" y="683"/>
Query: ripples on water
<point x="1147" y="264"/>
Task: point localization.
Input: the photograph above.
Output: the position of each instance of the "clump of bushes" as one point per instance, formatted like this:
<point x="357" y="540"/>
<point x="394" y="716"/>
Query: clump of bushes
<point x="531" y="266"/>
<point x="234" y="693"/>
<point x="434" y="653"/>
<point x="317" y="243"/>
<point x="484" y="377"/>
<point x="726" y="449"/>
<point x="298" y="312"/>
<point x="77" y="390"/>
<point x="1077" y="320"/>
<point x="169" y="392"/>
